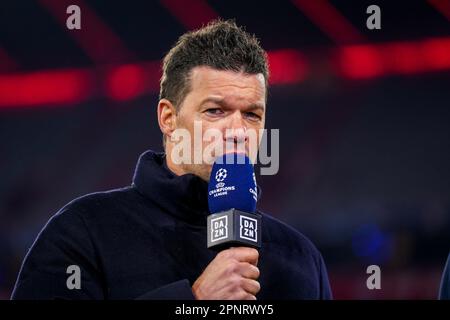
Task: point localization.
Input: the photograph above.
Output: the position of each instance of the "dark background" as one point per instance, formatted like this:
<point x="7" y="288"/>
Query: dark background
<point x="363" y="116"/>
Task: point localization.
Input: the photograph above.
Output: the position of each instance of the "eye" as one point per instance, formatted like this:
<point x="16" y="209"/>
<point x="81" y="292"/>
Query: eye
<point x="252" y="116"/>
<point x="214" y="111"/>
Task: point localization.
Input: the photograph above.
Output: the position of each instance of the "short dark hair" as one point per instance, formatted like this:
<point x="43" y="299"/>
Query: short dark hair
<point x="220" y="45"/>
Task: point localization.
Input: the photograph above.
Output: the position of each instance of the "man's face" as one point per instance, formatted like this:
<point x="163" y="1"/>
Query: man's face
<point x="222" y="100"/>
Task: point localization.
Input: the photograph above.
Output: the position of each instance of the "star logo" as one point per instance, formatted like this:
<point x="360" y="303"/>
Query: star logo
<point x="221" y="174"/>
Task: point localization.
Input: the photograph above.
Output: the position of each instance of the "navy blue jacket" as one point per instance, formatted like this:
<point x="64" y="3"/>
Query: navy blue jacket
<point x="148" y="241"/>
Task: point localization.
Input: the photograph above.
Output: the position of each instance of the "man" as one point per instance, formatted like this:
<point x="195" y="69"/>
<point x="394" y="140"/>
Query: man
<point x="148" y="240"/>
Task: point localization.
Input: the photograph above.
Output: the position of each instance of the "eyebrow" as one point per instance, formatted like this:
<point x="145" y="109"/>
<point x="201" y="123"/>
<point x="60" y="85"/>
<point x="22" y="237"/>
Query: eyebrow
<point x="221" y="101"/>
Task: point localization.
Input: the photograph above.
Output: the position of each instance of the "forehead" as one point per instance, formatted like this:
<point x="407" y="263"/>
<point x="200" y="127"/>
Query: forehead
<point x="228" y="84"/>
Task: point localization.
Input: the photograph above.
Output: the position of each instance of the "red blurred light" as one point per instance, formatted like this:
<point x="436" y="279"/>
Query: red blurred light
<point x="287" y="66"/>
<point x="44" y="88"/>
<point x="360" y="61"/>
<point x="65" y="87"/>
<point x="403" y="58"/>
<point x="125" y="82"/>
<point x="192" y="14"/>
<point x="436" y="53"/>
<point x="443" y="6"/>
<point x="368" y="61"/>
<point x="328" y="19"/>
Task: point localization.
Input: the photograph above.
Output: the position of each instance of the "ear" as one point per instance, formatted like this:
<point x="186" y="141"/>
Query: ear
<point x="166" y="117"/>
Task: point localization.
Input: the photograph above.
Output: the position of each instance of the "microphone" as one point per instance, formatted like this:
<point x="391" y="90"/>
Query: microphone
<point x="232" y="196"/>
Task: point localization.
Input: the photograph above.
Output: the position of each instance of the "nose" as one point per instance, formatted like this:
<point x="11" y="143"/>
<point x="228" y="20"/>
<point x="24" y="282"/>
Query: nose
<point x="236" y="132"/>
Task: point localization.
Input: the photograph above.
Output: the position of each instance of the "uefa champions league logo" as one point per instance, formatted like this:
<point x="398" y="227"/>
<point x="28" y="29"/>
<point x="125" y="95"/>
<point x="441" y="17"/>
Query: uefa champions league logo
<point x="221" y="174"/>
<point x="221" y="189"/>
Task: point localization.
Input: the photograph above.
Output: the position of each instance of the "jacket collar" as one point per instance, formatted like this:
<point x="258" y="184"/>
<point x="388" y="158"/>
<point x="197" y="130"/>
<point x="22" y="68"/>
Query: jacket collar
<point x="182" y="196"/>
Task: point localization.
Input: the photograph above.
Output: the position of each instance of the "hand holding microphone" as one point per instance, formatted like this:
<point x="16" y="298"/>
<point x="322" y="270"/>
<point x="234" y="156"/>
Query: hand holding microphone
<point x="234" y="228"/>
<point x="231" y="275"/>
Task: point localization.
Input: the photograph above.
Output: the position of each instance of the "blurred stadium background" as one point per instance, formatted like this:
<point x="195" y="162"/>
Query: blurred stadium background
<point x="364" y="119"/>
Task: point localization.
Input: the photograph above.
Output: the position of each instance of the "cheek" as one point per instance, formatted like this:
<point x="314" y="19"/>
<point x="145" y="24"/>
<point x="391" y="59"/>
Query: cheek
<point x="257" y="127"/>
<point x="214" y="127"/>
<point x="185" y="122"/>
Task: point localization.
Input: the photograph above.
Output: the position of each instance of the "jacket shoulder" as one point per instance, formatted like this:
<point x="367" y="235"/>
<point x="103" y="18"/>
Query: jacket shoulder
<point x="102" y="203"/>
